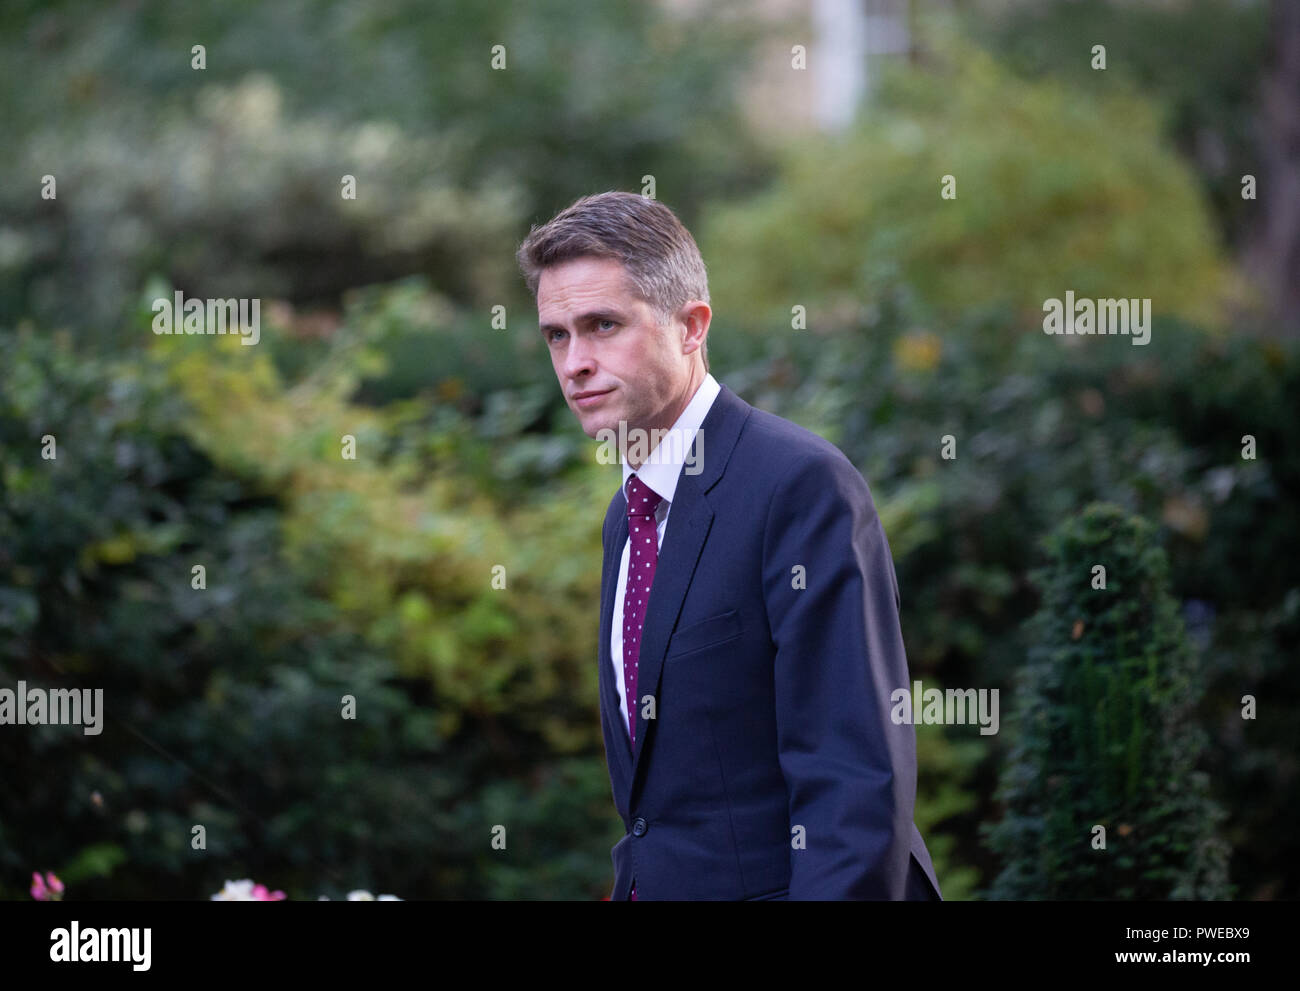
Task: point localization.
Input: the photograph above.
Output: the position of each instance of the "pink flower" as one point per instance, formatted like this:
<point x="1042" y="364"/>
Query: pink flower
<point x="246" y="891"/>
<point x="47" y="889"/>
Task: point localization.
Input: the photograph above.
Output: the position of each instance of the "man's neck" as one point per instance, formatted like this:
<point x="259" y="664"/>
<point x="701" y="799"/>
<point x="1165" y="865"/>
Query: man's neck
<point x="674" y="414"/>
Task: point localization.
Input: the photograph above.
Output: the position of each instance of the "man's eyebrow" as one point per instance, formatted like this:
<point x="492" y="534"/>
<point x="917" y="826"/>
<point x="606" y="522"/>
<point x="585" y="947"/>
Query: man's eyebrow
<point x="588" y="317"/>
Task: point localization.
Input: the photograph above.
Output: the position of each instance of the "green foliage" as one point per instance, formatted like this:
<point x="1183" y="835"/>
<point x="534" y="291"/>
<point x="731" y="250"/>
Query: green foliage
<point x="945" y="796"/>
<point x="237" y="200"/>
<point x="1107" y="732"/>
<point x="1201" y="62"/>
<point x="1073" y="192"/>
<point x="225" y="181"/>
<point x="405" y="540"/>
<point x="223" y="704"/>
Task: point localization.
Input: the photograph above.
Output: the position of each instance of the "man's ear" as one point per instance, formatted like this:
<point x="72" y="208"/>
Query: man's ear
<point x="696" y="314"/>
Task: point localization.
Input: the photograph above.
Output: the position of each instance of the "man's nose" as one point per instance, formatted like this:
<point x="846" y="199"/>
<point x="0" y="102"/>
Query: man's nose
<point x="578" y="358"/>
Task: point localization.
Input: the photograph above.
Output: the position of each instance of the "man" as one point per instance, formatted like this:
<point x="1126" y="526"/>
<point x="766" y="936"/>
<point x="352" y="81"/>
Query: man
<point x="752" y="754"/>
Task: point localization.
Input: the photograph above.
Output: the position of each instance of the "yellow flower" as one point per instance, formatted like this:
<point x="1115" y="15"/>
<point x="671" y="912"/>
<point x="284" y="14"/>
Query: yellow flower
<point x="918" y="352"/>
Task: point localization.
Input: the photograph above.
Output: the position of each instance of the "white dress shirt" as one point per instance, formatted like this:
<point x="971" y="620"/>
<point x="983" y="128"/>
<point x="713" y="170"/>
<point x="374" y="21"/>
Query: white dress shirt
<point x="660" y="473"/>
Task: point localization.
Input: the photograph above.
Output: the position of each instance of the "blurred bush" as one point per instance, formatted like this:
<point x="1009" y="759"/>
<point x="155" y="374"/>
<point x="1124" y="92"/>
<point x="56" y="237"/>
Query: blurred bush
<point x="224" y="704"/>
<point x="1106" y="734"/>
<point x="1075" y="191"/>
<point x="1200" y="62"/>
<point x="225" y="181"/>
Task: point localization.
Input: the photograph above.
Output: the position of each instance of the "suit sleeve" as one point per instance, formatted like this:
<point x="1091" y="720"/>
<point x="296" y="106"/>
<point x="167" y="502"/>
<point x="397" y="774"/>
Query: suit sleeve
<point x="850" y="771"/>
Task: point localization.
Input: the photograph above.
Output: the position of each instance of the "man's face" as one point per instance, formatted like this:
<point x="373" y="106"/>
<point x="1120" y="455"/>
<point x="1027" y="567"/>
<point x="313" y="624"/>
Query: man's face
<point x="603" y="339"/>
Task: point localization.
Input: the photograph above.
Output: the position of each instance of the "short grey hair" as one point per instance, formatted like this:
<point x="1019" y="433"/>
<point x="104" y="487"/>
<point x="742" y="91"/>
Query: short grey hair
<point x="662" y="261"/>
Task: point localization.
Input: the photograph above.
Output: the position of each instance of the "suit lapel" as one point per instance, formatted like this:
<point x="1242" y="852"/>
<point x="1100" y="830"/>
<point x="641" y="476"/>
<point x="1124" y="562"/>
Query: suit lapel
<point x="619" y="748"/>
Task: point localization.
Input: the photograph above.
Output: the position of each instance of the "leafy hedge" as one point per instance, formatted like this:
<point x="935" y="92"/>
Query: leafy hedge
<point x="224" y="704"/>
<point x="1104" y="797"/>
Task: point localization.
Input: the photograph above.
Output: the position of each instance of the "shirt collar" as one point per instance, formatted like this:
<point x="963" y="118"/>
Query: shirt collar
<point x="664" y="465"/>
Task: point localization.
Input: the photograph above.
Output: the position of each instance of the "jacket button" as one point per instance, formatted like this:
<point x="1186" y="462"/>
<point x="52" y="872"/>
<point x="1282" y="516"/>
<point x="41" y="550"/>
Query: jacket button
<point x="639" y="826"/>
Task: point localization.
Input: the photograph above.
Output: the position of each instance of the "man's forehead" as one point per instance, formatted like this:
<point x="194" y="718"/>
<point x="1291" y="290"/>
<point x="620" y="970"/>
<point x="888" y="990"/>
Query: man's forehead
<point x="585" y="273"/>
<point x="567" y="287"/>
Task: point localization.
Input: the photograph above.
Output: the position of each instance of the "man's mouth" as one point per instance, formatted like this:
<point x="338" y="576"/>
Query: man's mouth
<point x="585" y="399"/>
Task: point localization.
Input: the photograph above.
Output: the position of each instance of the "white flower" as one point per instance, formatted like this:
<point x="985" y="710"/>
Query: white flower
<point x="236" y="891"/>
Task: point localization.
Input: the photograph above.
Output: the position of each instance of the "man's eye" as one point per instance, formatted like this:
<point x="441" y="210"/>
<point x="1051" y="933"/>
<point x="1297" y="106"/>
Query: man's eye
<point x="610" y="322"/>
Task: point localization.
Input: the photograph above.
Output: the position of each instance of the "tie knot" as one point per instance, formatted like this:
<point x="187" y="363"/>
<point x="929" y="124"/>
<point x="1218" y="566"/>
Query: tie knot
<point x="641" y="499"/>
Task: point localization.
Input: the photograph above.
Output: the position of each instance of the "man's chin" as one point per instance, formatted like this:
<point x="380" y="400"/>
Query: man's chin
<point x="593" y="427"/>
<point x="596" y="421"/>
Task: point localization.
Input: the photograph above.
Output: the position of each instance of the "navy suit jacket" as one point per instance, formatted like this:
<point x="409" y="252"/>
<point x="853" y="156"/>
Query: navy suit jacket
<point x="771" y="768"/>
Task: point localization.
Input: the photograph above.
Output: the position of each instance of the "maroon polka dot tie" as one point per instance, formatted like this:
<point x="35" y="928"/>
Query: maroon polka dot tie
<point x="643" y="555"/>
